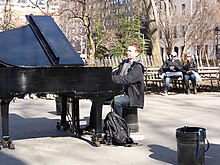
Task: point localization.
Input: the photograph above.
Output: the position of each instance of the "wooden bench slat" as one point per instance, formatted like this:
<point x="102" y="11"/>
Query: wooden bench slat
<point x="210" y="78"/>
<point x="217" y="71"/>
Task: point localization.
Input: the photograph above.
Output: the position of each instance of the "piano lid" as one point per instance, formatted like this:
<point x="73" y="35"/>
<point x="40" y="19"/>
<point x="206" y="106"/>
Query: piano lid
<point x="40" y="43"/>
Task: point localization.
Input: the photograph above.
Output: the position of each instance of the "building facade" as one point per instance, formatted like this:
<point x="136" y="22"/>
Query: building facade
<point x="13" y="12"/>
<point x="197" y="12"/>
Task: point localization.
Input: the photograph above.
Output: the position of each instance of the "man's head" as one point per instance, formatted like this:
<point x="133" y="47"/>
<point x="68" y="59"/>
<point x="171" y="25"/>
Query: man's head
<point x="133" y="50"/>
<point x="173" y="55"/>
<point x="188" y="56"/>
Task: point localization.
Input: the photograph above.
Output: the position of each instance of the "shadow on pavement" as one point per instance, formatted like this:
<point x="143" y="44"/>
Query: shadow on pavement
<point x="26" y="128"/>
<point x="9" y="160"/>
<point x="212" y="155"/>
<point x="162" y="153"/>
<point x="167" y="155"/>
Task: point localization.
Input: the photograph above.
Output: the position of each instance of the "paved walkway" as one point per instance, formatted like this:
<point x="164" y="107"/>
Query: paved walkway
<point x="33" y="130"/>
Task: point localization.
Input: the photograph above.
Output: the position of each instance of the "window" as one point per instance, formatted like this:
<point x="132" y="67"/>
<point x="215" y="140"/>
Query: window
<point x="22" y="1"/>
<point x="183" y="31"/>
<point x="54" y="3"/>
<point x="160" y="5"/>
<point x="161" y="35"/>
<point x="183" y="8"/>
<point x="42" y="2"/>
<point x="121" y="2"/>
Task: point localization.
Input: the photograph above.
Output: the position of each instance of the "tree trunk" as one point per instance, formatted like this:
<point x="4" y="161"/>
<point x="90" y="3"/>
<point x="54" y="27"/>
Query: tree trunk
<point x="200" y="57"/>
<point x="155" y="38"/>
<point x="206" y="55"/>
<point x="91" y="51"/>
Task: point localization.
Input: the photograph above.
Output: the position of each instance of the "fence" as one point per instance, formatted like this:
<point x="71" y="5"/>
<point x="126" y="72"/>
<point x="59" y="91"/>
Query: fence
<point x="147" y="61"/>
<point x="114" y="61"/>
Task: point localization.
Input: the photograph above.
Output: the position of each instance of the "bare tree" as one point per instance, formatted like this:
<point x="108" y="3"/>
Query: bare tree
<point x="166" y="24"/>
<point x="194" y="26"/>
<point x="40" y="4"/>
<point x="10" y="20"/>
<point x="198" y="27"/>
<point x="90" y="17"/>
<point x="79" y="11"/>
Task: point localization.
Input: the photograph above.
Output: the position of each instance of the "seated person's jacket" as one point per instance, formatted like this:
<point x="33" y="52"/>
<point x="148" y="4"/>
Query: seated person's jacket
<point x="178" y="66"/>
<point x="133" y="83"/>
<point x="188" y="67"/>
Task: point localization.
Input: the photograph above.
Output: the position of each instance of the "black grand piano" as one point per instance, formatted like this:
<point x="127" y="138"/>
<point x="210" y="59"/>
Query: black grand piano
<point x="38" y="58"/>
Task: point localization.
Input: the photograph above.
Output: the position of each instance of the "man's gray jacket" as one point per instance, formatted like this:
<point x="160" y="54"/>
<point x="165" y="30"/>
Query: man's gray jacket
<point x="133" y="83"/>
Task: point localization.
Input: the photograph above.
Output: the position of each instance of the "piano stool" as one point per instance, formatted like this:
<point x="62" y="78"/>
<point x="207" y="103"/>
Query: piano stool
<point x="131" y="117"/>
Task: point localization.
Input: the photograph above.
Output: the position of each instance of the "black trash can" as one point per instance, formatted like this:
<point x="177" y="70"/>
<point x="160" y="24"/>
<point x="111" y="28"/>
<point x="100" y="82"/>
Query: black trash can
<point x="191" y="145"/>
<point x="131" y="117"/>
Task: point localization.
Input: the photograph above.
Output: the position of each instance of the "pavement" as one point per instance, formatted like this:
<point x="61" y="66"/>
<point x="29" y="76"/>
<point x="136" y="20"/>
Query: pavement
<point x="38" y="142"/>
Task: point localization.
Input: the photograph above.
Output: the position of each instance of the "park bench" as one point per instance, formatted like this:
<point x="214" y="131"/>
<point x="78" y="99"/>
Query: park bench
<point x="154" y="81"/>
<point x="210" y="77"/>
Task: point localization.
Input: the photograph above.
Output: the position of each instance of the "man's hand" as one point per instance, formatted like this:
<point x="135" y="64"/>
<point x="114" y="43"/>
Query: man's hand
<point x="172" y="68"/>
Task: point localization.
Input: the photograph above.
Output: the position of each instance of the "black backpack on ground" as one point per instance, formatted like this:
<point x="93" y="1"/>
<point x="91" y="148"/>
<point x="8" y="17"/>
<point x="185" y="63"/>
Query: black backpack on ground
<point x="116" y="131"/>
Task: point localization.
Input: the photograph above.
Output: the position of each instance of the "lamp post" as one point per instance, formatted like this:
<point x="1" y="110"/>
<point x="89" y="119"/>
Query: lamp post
<point x="95" y="38"/>
<point x="216" y="37"/>
<point x="143" y="29"/>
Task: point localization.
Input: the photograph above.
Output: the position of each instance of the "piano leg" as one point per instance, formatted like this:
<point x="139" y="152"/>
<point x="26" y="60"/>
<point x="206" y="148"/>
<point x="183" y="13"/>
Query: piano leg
<point x="97" y="105"/>
<point x="75" y="116"/>
<point x="6" y="141"/>
<point x="97" y="137"/>
<point x="73" y="119"/>
<point x="64" y="124"/>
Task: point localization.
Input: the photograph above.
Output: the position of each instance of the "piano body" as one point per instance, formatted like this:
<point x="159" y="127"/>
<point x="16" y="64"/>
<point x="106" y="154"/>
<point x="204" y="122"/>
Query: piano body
<point x="38" y="58"/>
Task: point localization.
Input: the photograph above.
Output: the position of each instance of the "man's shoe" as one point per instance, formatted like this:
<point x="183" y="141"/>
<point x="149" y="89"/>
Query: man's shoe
<point x="88" y="130"/>
<point x="194" y="88"/>
<point x="33" y="96"/>
<point x="26" y="97"/>
<point x="195" y="91"/>
<point x="188" y="91"/>
<point x="165" y="94"/>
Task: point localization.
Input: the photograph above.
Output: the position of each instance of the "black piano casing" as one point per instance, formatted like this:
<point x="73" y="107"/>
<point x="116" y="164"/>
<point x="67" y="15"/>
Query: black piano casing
<point x="78" y="80"/>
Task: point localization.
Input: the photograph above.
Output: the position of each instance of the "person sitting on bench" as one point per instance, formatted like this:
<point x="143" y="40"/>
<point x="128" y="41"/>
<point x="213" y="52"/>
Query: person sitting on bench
<point x="172" y="68"/>
<point x="189" y="68"/>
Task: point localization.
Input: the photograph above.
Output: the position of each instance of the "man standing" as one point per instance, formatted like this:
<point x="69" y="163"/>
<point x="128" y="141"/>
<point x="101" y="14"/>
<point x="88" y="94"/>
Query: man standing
<point x="189" y="69"/>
